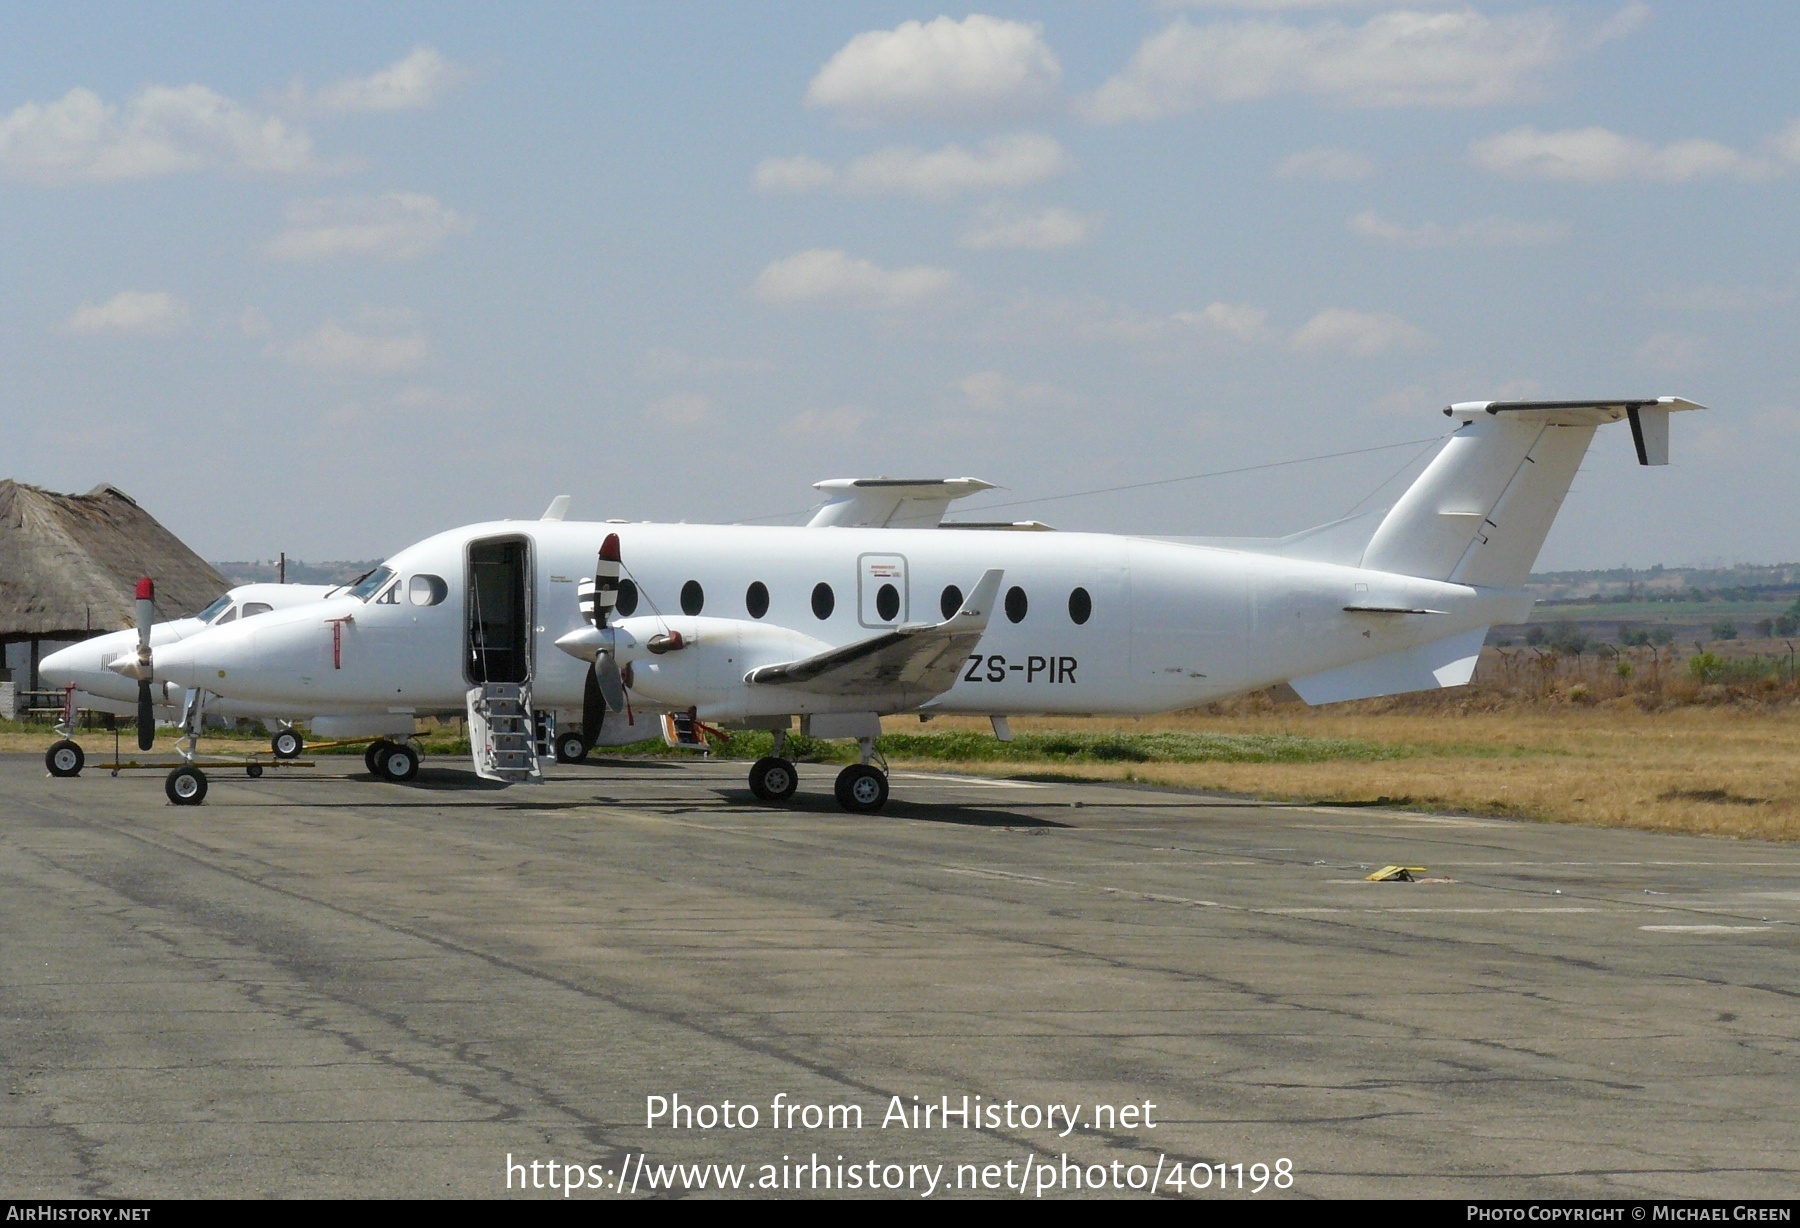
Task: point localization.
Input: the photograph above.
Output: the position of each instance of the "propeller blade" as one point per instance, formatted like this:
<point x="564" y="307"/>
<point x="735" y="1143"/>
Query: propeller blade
<point x="146" y="610"/>
<point x="611" y="682"/>
<point x="606" y="580"/>
<point x="593" y="708"/>
<point x="146" y="716"/>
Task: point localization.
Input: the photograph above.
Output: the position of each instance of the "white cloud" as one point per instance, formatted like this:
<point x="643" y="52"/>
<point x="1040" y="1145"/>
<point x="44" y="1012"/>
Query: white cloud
<point x="1674" y="353"/>
<point x="1325" y="163"/>
<point x="1359" y="334"/>
<point x="139" y="312"/>
<point x="253" y="323"/>
<point x="409" y="84"/>
<point x="684" y="409"/>
<point x="1393" y="59"/>
<point x="1484" y="232"/>
<point x="832" y="276"/>
<point x="161" y="130"/>
<point x="792" y="176"/>
<point x="845" y="422"/>
<point x="1627" y="20"/>
<point x="993" y="392"/>
<point x="1236" y="320"/>
<point x="1000" y="225"/>
<point x="1720" y="298"/>
<point x="332" y="347"/>
<point x="395" y="226"/>
<point x="977" y="68"/>
<point x="1000" y="163"/>
<point x="1599" y="155"/>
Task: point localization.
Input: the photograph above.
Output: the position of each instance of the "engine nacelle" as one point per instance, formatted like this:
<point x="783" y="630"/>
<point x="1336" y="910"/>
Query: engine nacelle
<point x="686" y="662"/>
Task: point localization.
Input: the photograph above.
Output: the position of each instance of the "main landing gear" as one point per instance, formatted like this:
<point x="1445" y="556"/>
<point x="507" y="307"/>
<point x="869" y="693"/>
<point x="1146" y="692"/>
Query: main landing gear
<point x="397" y="762"/>
<point x="571" y="747"/>
<point x="287" y="743"/>
<point x="862" y="788"/>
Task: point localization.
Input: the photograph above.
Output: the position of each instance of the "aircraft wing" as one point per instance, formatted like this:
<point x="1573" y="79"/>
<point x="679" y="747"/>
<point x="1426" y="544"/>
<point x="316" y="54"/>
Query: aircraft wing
<point x="916" y="661"/>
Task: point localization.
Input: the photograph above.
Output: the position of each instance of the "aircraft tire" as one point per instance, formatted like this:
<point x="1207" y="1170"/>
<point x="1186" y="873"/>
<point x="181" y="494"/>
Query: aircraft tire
<point x="571" y="747"/>
<point x="186" y="786"/>
<point x="400" y="764"/>
<point x="374" y="754"/>
<point x="287" y="744"/>
<point x="862" y="789"/>
<point x="64" y="758"/>
<point x="773" y="779"/>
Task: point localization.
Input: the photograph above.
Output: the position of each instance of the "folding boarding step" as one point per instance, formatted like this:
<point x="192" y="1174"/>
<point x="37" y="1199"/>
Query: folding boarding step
<point x="501" y="733"/>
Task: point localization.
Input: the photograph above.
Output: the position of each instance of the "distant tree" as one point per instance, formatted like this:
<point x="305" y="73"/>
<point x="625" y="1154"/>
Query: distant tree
<point x="1633" y="637"/>
<point x="1786" y="625"/>
<point x="1535" y="634"/>
<point x="1765" y="627"/>
<point x="1567" y="636"/>
<point x="1662" y="637"/>
<point x="1724" y="629"/>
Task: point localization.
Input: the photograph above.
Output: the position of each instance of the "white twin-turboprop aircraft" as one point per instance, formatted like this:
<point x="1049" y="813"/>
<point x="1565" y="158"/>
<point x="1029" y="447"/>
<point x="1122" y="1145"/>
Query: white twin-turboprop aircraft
<point x="855" y="617"/>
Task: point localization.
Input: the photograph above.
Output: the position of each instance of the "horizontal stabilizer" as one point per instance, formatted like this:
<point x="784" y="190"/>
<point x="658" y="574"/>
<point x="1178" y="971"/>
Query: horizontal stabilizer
<point x="917" y="662"/>
<point x="890" y="503"/>
<point x="1446" y="662"/>
<point x="1649" y="418"/>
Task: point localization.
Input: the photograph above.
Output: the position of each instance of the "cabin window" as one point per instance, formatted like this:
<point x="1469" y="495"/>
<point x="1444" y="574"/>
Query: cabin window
<point x="887" y="602"/>
<point x="426" y="590"/>
<point x="951" y="601"/>
<point x="1015" y="604"/>
<point x="756" y="599"/>
<point x="693" y="598"/>
<point x="1081" y="606"/>
<point x="626" y="605"/>
<point x="253" y="608"/>
<point x="823" y="601"/>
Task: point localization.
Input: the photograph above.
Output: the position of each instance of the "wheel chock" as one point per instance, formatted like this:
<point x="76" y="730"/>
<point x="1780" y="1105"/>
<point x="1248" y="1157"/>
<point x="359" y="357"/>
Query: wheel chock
<point x="1396" y="874"/>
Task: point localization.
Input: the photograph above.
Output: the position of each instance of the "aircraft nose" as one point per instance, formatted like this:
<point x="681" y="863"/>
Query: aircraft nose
<point x="60" y="668"/>
<point x="185" y="661"/>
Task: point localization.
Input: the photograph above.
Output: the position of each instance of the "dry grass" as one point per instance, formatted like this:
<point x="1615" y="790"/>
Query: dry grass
<point x="1706" y="770"/>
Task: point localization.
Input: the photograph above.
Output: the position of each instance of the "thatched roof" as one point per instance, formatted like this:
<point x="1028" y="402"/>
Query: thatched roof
<point x="71" y="562"/>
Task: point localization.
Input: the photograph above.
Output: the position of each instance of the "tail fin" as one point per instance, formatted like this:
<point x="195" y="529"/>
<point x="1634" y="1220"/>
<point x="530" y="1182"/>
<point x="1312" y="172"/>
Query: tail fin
<point x="1481" y="510"/>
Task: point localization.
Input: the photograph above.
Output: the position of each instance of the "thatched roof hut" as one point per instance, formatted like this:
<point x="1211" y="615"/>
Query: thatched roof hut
<point x="69" y="564"/>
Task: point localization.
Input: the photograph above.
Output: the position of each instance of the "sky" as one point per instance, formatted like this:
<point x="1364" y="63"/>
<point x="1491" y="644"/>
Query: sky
<point x="329" y="279"/>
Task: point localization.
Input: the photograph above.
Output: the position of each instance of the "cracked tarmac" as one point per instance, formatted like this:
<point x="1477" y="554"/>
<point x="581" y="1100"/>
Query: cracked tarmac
<point x="318" y="984"/>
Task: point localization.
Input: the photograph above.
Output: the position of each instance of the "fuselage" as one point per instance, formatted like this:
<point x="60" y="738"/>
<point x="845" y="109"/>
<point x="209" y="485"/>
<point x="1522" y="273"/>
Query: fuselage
<point x="1088" y="623"/>
<point x="84" y="665"/>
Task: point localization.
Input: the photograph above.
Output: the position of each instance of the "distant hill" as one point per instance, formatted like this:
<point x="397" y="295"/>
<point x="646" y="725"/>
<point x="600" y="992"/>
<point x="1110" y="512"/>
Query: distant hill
<point x="1745" y="582"/>
<point x="262" y="571"/>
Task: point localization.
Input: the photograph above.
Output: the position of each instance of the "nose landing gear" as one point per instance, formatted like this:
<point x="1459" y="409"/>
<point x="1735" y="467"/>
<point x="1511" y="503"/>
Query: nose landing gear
<point x="396" y="762"/>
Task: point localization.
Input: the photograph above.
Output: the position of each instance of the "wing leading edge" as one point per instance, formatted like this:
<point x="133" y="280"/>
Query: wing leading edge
<point x="912" y="662"/>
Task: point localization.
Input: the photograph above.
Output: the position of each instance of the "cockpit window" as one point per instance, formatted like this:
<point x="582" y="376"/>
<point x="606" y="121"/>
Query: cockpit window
<point x="372" y="583"/>
<point x="226" y="617"/>
<point x="215" y="609"/>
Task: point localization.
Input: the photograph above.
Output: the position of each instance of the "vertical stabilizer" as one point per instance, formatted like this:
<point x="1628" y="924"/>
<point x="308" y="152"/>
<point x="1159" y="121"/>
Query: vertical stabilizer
<point x="1480" y="512"/>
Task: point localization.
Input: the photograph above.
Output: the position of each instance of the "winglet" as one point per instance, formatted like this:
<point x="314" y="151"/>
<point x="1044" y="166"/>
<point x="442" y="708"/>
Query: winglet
<point x="978" y="604"/>
<point x="559" y="507"/>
